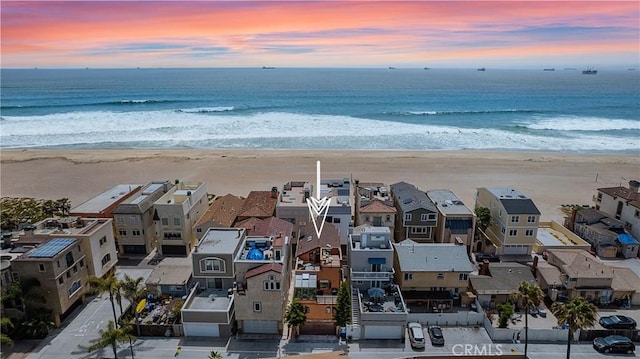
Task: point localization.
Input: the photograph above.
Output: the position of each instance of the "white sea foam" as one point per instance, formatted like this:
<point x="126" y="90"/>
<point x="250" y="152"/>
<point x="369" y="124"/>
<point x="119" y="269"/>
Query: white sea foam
<point x="169" y="128"/>
<point x="207" y="109"/>
<point x="575" y="123"/>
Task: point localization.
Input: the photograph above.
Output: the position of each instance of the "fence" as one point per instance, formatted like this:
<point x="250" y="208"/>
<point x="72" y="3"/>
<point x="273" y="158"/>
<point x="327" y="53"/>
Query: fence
<point x="447" y="319"/>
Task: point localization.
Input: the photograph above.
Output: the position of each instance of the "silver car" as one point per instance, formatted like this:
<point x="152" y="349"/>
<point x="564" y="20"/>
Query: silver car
<point x="416" y="335"/>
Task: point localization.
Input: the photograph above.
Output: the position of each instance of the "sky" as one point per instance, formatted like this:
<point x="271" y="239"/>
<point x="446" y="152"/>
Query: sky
<point x="402" y="34"/>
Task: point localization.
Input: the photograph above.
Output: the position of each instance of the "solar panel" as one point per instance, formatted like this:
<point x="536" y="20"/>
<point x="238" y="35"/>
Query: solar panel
<point x="51" y="248"/>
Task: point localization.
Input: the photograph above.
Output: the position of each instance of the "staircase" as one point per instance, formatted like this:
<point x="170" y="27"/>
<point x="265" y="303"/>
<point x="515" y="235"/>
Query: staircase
<point x="355" y="307"/>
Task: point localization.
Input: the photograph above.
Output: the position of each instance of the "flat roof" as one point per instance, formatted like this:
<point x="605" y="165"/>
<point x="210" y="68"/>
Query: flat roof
<point x="221" y="240"/>
<point x="171" y="271"/>
<point x="432" y="257"/>
<point x="105" y="199"/>
<point x="448" y="203"/>
<point x="52" y="248"/>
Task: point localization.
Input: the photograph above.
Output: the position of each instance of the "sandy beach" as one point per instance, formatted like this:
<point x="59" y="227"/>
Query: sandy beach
<point x="550" y="179"/>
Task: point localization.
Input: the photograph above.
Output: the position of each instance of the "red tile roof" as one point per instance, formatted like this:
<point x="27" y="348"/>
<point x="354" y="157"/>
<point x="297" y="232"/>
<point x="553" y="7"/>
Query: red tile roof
<point x="377" y="206"/>
<point x="276" y="267"/>
<point x="622" y="192"/>
<point x="223" y="211"/>
<point x="259" y="204"/>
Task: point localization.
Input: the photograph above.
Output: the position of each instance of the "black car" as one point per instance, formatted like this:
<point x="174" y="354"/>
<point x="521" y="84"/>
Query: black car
<point x="436" y="336"/>
<point x="617" y="322"/>
<point x="480" y="257"/>
<point x="614" y="344"/>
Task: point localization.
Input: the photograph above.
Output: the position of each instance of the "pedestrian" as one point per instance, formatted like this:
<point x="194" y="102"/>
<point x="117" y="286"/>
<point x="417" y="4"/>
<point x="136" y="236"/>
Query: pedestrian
<point x="518" y="338"/>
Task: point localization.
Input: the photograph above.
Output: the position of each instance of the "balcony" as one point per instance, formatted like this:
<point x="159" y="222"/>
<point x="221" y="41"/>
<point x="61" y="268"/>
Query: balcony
<point x="386" y="274"/>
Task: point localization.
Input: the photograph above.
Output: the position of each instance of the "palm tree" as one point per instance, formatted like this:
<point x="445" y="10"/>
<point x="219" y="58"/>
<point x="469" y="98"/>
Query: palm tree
<point x="111" y="337"/>
<point x="215" y="355"/>
<point x="577" y="313"/>
<point x="295" y="315"/>
<point x="39" y="326"/>
<point x="27" y="294"/>
<point x="131" y="288"/>
<point x="528" y="295"/>
<point x="108" y="284"/>
<point x="6" y="325"/>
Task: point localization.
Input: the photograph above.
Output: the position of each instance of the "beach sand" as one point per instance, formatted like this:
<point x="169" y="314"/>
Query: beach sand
<point x="550" y="179"/>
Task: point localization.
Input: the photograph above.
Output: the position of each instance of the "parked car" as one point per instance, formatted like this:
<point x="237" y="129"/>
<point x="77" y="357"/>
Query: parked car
<point x="436" y="336"/>
<point x="542" y="312"/>
<point x="533" y="311"/>
<point x="617" y="322"/>
<point x="416" y="335"/>
<point x="614" y="344"/>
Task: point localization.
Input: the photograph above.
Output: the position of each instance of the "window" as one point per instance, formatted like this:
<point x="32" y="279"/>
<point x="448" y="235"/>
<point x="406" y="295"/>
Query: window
<point x="61" y="280"/>
<point x="325" y="284"/>
<point x="119" y="219"/>
<point x="81" y="263"/>
<point x="122" y="232"/>
<point x="199" y="230"/>
<point x="531" y="219"/>
<point x="136" y="232"/>
<point x="271" y="283"/>
<point x="75" y="269"/>
<point x="418" y="230"/>
<point x="408" y="276"/>
<point x="599" y="199"/>
<point x="58" y="263"/>
<point x="209" y="265"/>
<point x="327" y="310"/>
<point x="176" y="221"/>
<point x="513" y="232"/>
<point x="134" y="220"/>
<point x="463" y="276"/>
<point x="366" y="218"/>
<point x="407" y="217"/>
<point x="103" y="240"/>
<point x="41" y="267"/>
<point x="388" y="218"/>
<point x="164" y="221"/>
<point x="336" y="220"/>
<point x="15" y="276"/>
<point x="69" y="259"/>
<point x="74" y="288"/>
<point x="68" y="274"/>
<point x="528" y="233"/>
<point x="515" y="219"/>
<point x="257" y="306"/>
<point x="106" y="259"/>
<point x="431" y="216"/>
<point x="440" y="276"/>
<point x="502" y="230"/>
<point x="424" y="217"/>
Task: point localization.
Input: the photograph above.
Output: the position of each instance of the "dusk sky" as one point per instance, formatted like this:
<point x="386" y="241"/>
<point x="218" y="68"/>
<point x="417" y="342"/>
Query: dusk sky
<point x="452" y="34"/>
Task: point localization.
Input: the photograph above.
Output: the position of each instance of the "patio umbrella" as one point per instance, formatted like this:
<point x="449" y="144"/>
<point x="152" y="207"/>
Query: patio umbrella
<point x="375" y="292"/>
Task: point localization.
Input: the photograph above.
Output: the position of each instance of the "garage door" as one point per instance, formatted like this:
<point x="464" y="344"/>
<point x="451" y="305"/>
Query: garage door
<point x="201" y="330"/>
<point x="382" y="332"/>
<point x="516" y="249"/>
<point x="260" y="326"/>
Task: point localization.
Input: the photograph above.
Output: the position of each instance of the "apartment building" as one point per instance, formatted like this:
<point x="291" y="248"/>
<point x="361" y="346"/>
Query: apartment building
<point x="60" y="267"/>
<point x="175" y="214"/>
<point x="133" y="220"/>
<point x="514" y="219"/>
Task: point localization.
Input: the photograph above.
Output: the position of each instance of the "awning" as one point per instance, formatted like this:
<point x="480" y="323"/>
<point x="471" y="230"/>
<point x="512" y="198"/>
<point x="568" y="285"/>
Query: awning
<point x="626" y="239"/>
<point x="306" y="280"/>
<point x="377" y="261"/>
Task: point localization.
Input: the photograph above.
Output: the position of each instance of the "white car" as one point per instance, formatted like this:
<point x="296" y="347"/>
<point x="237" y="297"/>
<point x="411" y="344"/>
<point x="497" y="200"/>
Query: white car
<point x="416" y="335"/>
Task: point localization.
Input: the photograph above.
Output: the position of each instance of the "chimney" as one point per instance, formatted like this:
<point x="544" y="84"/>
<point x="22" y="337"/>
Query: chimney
<point x="274" y="192"/>
<point x="634" y="186"/>
<point x="484" y="268"/>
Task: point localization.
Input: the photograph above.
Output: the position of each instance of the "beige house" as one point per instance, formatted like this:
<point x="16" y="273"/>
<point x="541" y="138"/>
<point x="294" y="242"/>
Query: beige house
<point x="262" y="304"/>
<point x="457" y="223"/>
<point x="175" y="213"/>
<point x="95" y="236"/>
<point x="60" y="267"/>
<point x="514" y="220"/>
<point x="432" y="276"/>
<point x="133" y="220"/>
<point x="374" y="206"/>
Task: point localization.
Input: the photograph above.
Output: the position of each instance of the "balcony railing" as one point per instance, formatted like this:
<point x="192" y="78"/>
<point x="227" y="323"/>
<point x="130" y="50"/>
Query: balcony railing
<point x="385" y="275"/>
<point x="326" y="299"/>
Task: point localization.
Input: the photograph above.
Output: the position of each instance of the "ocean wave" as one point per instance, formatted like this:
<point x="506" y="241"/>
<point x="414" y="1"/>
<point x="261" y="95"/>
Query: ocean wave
<point x="137" y="102"/>
<point x="207" y="109"/>
<point x="167" y="128"/>
<point x="456" y="112"/>
<point x="575" y="123"/>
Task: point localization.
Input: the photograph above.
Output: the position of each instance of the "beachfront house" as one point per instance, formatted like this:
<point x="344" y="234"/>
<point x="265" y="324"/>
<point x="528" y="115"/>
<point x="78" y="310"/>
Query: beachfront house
<point x="209" y="310"/>
<point x="433" y="277"/>
<point x="417" y="216"/>
<point x="317" y="276"/>
<point x="103" y="204"/>
<point x="221" y="213"/>
<point x="175" y="213"/>
<point x="378" y="309"/>
<point x="456" y="223"/>
<point x="60" y="267"/>
<point x="606" y="235"/>
<point x="622" y="203"/>
<point x="258" y="204"/>
<point x="133" y="220"/>
<point x="262" y="283"/>
<point x="374" y="206"/>
<point x="514" y="220"/>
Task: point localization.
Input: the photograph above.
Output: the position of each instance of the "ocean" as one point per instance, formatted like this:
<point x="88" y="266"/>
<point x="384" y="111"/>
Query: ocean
<point x="290" y="108"/>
